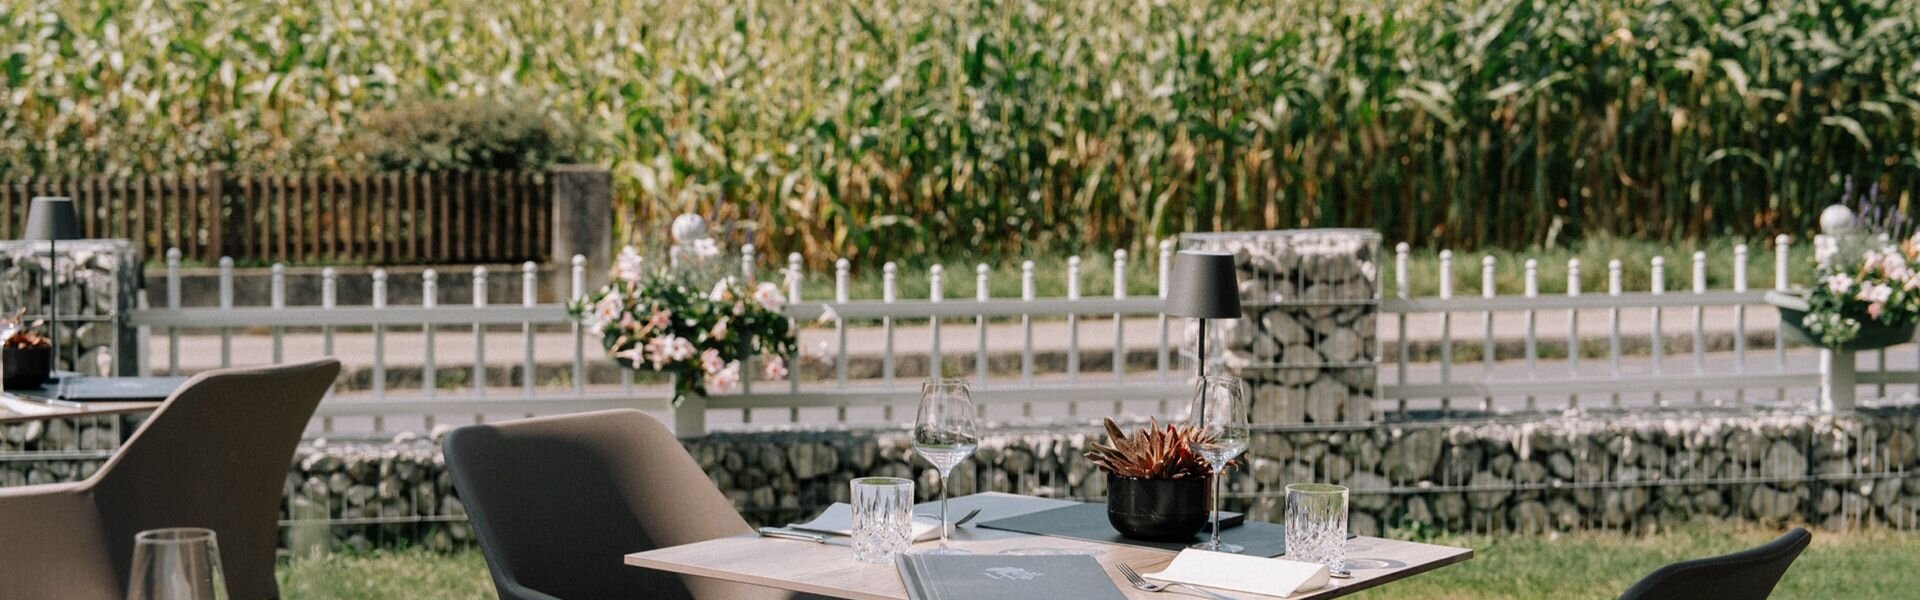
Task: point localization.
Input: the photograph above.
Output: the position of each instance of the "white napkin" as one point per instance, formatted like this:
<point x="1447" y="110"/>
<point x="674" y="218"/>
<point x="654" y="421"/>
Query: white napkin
<point x="838" y="520"/>
<point x="16" y="406"/>
<point x="1242" y="573"/>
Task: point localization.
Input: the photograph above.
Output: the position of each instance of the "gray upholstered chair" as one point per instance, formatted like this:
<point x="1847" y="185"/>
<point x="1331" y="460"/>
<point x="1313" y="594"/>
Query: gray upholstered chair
<point x="1744" y="575"/>
<point x="214" y="455"/>
<point x="556" y="501"/>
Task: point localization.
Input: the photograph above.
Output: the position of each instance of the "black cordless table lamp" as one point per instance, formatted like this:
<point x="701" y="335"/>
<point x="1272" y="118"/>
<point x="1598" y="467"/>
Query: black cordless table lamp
<point x="52" y="219"/>
<point x="1204" y="286"/>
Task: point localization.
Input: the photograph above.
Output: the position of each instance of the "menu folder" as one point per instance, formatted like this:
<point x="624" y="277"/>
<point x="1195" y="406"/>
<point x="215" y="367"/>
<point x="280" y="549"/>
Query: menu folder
<point x="1005" y="577"/>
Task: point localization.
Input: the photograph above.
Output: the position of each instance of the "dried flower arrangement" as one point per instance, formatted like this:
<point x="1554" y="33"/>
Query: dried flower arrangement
<point x="25" y="340"/>
<point x="1154" y="452"/>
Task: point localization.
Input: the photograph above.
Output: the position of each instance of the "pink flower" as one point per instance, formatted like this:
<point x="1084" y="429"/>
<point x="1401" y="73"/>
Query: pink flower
<point x="722" y="291"/>
<point x="629" y="269"/>
<point x="607" y="309"/>
<point x="719" y="331"/>
<point x="724" y="379"/>
<point x="768" y="296"/>
<point x="776" y="368"/>
<point x="1875" y="293"/>
<point x="668" y="349"/>
<point x="1874" y="310"/>
<point x="634" y="355"/>
<point x="710" y="361"/>
<point x="660" y="318"/>
<point x="1838" y="283"/>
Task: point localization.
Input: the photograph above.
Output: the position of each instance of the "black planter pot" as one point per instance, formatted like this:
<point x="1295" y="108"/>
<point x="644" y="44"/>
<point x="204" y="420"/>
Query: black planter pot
<point x="25" y="369"/>
<point x="1157" y="510"/>
<point x="1873" y="336"/>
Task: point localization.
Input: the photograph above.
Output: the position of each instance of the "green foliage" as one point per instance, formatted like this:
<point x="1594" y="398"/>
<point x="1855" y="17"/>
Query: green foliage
<point x="464" y="134"/>
<point x="992" y="127"/>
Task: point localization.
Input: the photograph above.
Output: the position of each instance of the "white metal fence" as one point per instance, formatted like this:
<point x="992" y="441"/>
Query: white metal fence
<point x="1672" y="361"/>
<point x="432" y="323"/>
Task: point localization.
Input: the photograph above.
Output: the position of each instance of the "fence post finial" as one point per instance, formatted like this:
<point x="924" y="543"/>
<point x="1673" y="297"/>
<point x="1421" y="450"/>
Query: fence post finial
<point x="579" y="284"/>
<point x="842" y="280"/>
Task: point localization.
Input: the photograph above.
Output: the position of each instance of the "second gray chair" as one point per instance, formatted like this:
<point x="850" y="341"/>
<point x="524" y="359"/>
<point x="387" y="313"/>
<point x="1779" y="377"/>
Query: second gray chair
<point x="556" y="501"/>
<point x="214" y="455"/>
<point x="1744" y="575"/>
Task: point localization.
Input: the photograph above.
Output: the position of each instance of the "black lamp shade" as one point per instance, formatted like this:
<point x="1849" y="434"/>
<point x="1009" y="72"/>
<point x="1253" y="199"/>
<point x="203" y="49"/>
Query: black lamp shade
<point x="1204" y="286"/>
<point x="52" y="219"/>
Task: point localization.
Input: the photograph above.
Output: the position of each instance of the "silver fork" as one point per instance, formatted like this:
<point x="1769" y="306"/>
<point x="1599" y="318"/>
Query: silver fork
<point x="962" y="521"/>
<point x="1141" y="583"/>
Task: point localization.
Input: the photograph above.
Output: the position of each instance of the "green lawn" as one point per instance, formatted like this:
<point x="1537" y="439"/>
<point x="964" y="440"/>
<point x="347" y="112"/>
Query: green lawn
<point x="1096" y="269"/>
<point x="1859" y="566"/>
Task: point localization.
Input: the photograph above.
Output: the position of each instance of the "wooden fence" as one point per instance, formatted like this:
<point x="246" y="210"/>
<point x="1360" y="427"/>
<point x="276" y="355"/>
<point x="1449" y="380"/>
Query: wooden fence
<point x="384" y="218"/>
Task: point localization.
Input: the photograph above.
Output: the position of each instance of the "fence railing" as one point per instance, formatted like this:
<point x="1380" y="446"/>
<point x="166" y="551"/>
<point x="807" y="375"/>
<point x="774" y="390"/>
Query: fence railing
<point x="1616" y="350"/>
<point x="1678" y="360"/>
<point x="436" y="217"/>
<point x="433" y="325"/>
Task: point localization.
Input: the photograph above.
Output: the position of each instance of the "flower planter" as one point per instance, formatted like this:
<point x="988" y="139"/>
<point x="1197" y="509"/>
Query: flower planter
<point x="1873" y="336"/>
<point x="1158" y="510"/>
<point x="25" y="368"/>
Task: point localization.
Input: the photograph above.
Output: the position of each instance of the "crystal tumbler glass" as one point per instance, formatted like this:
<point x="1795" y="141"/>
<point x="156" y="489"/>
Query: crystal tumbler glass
<point x="882" y="518"/>
<point x="1317" y="524"/>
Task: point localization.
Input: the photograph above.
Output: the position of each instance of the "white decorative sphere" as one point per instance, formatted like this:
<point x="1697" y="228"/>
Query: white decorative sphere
<point x="1836" y="220"/>
<point x="689" y="227"/>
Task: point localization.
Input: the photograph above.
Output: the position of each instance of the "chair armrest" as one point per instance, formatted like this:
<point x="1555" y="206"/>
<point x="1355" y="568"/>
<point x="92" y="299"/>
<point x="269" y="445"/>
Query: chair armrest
<point x="54" y="544"/>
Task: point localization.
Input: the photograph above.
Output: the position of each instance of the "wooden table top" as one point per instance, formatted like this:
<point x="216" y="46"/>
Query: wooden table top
<point x="15" y="409"/>
<point x="830" y="570"/>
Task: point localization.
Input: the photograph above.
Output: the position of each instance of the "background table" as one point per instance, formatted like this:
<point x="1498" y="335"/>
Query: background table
<point x="830" y="570"/>
<point x="15" y="409"/>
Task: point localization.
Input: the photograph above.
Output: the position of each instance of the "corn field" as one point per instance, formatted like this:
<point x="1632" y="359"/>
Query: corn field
<point x="857" y="128"/>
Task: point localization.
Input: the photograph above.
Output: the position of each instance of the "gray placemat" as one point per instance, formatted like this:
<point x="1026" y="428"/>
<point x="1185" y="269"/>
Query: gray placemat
<point x="1088" y="521"/>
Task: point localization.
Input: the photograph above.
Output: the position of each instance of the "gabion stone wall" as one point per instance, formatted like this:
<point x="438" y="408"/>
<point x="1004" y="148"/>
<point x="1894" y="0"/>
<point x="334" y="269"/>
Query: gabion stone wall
<point x="99" y="281"/>
<point x="1307" y="341"/>
<point x="1640" y="473"/>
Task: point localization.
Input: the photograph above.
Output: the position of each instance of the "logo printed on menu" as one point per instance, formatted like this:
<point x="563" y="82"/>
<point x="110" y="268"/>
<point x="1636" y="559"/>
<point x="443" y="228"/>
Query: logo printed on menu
<point x="1013" y="574"/>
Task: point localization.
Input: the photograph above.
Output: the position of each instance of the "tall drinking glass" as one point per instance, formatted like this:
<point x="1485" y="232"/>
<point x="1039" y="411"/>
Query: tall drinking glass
<point x="1317" y="524"/>
<point x="882" y="518"/>
<point x="945" y="433"/>
<point x="176" y="564"/>
<point x="1222" y="415"/>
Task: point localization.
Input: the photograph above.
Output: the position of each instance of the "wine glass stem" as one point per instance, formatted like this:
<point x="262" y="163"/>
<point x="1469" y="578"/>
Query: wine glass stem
<point x="943" y="507"/>
<point x="1215" y="515"/>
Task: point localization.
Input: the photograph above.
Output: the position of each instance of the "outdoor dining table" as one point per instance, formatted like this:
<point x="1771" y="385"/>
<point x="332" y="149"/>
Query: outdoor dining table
<point x="829" y="569"/>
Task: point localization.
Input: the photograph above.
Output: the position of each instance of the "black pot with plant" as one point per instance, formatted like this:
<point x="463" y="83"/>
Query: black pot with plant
<point x="1156" y="485"/>
<point x="26" y="361"/>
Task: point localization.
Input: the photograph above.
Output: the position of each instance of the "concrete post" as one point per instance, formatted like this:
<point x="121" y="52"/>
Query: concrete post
<point x="582" y="224"/>
<point x="1837" y="381"/>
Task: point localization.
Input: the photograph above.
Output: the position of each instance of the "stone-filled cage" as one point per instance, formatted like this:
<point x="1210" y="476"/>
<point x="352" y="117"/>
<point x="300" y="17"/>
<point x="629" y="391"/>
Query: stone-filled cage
<point x="1306" y="342"/>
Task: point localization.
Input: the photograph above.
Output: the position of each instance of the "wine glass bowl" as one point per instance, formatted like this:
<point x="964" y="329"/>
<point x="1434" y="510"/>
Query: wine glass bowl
<point x="1221" y="413"/>
<point x="180" y="563"/>
<point x="945" y="432"/>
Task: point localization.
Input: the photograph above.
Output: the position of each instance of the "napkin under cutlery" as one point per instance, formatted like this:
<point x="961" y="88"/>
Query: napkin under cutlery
<point x="838" y="520"/>
<point x="1242" y="573"/>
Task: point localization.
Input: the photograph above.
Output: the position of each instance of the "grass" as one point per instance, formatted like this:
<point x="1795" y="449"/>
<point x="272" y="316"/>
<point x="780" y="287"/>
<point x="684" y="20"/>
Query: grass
<point x="416" y="574"/>
<point x="1857" y="565"/>
<point x="1423" y="268"/>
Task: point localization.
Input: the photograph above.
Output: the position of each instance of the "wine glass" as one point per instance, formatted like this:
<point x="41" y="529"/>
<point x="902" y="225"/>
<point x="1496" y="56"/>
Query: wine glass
<point x="945" y="433"/>
<point x="181" y="563"/>
<point x="1221" y="415"/>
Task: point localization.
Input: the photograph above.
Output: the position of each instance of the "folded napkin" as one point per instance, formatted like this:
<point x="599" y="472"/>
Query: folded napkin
<point x="1242" y="573"/>
<point x="838" y="520"/>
